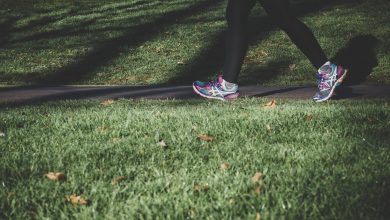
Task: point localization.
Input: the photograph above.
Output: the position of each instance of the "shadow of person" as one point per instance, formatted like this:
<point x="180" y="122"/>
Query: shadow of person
<point x="359" y="57"/>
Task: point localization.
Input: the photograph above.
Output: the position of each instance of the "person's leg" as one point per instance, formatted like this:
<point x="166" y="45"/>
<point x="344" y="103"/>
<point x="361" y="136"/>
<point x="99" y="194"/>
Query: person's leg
<point x="329" y="75"/>
<point x="237" y="13"/>
<point x="299" y="33"/>
<point x="225" y="87"/>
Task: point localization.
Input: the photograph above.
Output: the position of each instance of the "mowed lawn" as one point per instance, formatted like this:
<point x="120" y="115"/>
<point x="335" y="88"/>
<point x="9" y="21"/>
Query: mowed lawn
<point x="155" y="42"/>
<point x="143" y="159"/>
<point x="189" y="159"/>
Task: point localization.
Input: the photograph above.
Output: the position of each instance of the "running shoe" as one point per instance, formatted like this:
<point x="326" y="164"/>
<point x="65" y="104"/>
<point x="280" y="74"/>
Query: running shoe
<point x="330" y="77"/>
<point x="215" y="90"/>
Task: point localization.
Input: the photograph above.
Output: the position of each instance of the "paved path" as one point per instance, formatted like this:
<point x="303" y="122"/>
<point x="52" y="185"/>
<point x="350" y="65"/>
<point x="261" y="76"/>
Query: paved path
<point x="26" y="95"/>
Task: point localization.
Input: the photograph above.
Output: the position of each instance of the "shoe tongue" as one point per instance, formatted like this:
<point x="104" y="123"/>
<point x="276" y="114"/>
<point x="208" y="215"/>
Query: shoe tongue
<point x="325" y="70"/>
<point x="220" y="80"/>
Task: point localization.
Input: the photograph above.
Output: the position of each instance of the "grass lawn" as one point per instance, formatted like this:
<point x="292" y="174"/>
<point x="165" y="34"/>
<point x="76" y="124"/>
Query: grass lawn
<point x="153" y="42"/>
<point x="318" y="161"/>
<point x="143" y="159"/>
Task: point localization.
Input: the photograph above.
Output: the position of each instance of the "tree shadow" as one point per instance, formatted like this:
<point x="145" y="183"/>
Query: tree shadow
<point x="80" y="28"/>
<point x="105" y="52"/>
<point x="359" y="57"/>
<point x="5" y="29"/>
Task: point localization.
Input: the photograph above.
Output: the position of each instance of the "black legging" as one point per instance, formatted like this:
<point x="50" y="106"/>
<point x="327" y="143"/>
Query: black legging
<point x="237" y="13"/>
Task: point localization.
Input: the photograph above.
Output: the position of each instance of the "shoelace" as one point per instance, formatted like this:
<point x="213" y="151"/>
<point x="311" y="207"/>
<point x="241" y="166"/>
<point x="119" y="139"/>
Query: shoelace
<point x="214" y="83"/>
<point x="326" y="81"/>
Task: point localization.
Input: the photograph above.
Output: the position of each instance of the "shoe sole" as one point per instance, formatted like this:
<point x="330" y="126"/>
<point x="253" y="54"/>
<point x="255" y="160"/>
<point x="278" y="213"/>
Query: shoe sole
<point x="338" y="83"/>
<point x="210" y="97"/>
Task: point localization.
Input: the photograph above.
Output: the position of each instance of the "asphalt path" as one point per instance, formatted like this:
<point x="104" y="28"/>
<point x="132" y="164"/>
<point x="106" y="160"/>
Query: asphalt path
<point x="39" y="94"/>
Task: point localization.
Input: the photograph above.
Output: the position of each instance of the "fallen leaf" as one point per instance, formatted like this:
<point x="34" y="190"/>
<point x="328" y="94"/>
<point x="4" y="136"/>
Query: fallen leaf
<point x="231" y="201"/>
<point x="292" y="66"/>
<point x="205" y="137"/>
<point x="257" y="177"/>
<point x="162" y="144"/>
<point x="56" y="176"/>
<point x="257" y="216"/>
<point x="197" y="188"/>
<point x="309" y="117"/>
<point x="271" y="104"/>
<point x="268" y="127"/>
<point x="131" y="78"/>
<point x="225" y="166"/>
<point x="76" y="200"/>
<point x="118" y="179"/>
<point x="107" y="102"/>
<point x="206" y="188"/>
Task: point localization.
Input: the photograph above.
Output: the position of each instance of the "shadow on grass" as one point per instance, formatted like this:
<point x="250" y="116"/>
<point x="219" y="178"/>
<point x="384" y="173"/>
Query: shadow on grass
<point x="359" y="57"/>
<point x="80" y="28"/>
<point x="5" y="28"/>
<point x="105" y="52"/>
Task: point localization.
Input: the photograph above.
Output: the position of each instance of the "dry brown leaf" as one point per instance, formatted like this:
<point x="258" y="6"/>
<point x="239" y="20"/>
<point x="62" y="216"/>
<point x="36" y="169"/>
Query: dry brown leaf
<point x="309" y="117"/>
<point x="131" y="78"/>
<point x="271" y="104"/>
<point x="205" y="137"/>
<point x="292" y="66"/>
<point x="118" y="179"/>
<point x="257" y="216"/>
<point x="257" y="177"/>
<point x="76" y="200"/>
<point x="107" y="102"/>
<point x="162" y="144"/>
<point x="197" y="188"/>
<point x="56" y="176"/>
<point x="225" y="166"/>
<point x="206" y="188"/>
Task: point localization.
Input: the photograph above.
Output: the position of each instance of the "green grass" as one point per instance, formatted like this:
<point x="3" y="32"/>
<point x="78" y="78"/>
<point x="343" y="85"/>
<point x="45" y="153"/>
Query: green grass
<point x="328" y="161"/>
<point x="153" y="42"/>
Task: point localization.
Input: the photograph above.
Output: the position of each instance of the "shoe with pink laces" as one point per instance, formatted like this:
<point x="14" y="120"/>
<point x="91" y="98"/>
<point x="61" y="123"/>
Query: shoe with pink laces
<point x="216" y="89"/>
<point x="329" y="77"/>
